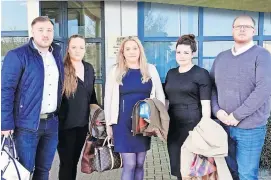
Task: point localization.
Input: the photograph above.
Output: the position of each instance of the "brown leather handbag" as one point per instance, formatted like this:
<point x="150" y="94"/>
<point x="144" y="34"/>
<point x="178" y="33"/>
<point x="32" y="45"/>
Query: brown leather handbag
<point x="88" y="154"/>
<point x="105" y="158"/>
<point x="95" y="137"/>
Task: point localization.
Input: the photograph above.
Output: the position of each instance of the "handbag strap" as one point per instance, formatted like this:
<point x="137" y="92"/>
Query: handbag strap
<point x="10" y="156"/>
<point x="11" y="145"/>
<point x="109" y="142"/>
<point x="120" y="160"/>
<point x="3" y="142"/>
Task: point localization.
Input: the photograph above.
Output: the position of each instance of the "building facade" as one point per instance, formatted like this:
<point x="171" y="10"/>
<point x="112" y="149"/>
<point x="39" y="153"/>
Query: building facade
<point x="158" y="26"/>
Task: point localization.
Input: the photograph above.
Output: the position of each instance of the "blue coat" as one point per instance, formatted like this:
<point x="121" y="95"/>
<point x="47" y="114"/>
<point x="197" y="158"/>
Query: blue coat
<point x="22" y="81"/>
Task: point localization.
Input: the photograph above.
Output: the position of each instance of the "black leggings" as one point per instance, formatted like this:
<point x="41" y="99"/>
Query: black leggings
<point x="71" y="142"/>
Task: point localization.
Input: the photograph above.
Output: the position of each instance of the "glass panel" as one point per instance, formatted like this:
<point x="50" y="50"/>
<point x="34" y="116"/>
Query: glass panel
<point x="162" y="55"/>
<point x="93" y="56"/>
<point x="50" y="5"/>
<point x="78" y="4"/>
<point x="207" y="63"/>
<point x="267" y="24"/>
<point x="163" y="20"/>
<point x="189" y="20"/>
<point x="63" y="49"/>
<point x="14" y="16"/>
<point x="267" y="45"/>
<point x="9" y="43"/>
<point x="52" y="10"/>
<point x="224" y="21"/>
<point x="99" y="93"/>
<point x="195" y="61"/>
<point x="84" y="18"/>
<point x="213" y="48"/>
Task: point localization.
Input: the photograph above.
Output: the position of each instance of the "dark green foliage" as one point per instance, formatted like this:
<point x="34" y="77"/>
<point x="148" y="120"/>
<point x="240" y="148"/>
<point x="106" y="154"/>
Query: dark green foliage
<point x="266" y="154"/>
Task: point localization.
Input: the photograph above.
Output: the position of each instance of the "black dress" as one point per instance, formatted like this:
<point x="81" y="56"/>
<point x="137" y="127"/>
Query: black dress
<point x="184" y="92"/>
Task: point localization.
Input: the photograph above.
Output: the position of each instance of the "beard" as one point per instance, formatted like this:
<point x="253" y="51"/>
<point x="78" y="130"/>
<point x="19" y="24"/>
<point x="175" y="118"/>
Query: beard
<point x="242" y="40"/>
<point x="44" y="44"/>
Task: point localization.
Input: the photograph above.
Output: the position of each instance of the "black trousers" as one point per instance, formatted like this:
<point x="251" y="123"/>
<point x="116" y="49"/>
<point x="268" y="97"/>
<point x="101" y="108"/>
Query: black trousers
<point x="71" y="142"/>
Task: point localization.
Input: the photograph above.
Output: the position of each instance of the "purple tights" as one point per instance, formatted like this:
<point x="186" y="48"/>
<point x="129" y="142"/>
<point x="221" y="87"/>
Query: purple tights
<point x="133" y="166"/>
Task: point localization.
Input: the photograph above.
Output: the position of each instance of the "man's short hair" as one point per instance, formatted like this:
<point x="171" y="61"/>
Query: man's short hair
<point x="41" y="19"/>
<point x="254" y="23"/>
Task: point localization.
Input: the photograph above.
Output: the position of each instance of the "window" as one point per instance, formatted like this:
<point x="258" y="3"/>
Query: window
<point x="221" y="25"/>
<point x="212" y="49"/>
<point x="267" y="24"/>
<point x="84" y="18"/>
<point x="52" y="10"/>
<point x="163" y="20"/>
<point x="15" y="20"/>
<point x="160" y="25"/>
<point x="267" y="45"/>
<point x="93" y="56"/>
<point x="8" y="43"/>
<point x="162" y="55"/>
<point x="99" y="92"/>
<point x="14" y="31"/>
<point x="163" y="25"/>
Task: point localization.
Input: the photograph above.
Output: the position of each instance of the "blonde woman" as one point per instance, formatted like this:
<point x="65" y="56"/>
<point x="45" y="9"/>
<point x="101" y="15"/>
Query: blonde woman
<point x="130" y="80"/>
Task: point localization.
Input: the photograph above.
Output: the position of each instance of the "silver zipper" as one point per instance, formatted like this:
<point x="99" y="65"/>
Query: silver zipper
<point x="122" y="105"/>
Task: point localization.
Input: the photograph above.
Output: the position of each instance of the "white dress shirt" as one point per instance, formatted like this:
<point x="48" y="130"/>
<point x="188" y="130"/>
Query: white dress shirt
<point x="51" y="77"/>
<point x="242" y="49"/>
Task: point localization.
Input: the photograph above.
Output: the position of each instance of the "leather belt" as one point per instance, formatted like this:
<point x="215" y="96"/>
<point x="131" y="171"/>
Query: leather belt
<point x="47" y="116"/>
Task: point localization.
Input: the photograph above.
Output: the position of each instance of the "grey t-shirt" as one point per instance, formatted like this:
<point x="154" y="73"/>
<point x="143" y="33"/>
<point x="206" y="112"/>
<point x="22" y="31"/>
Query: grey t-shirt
<point x="242" y="86"/>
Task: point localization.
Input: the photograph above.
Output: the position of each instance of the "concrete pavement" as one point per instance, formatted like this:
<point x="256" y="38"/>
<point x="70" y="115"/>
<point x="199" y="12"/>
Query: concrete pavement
<point x="156" y="167"/>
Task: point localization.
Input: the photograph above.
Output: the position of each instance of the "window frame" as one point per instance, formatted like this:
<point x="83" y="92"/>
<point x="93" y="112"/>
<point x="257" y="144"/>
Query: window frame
<point x="260" y="38"/>
<point x="17" y="33"/>
<point x="63" y="38"/>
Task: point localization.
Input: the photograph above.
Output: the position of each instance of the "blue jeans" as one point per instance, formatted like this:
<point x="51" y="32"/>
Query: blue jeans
<point x="245" y="147"/>
<point x="37" y="149"/>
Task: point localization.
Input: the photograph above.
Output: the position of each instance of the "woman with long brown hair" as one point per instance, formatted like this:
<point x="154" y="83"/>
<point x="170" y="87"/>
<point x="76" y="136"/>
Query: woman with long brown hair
<point x="130" y="80"/>
<point x="78" y="93"/>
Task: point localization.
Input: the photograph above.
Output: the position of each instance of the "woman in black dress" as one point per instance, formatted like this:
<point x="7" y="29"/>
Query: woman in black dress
<point x="188" y="90"/>
<point x="78" y="93"/>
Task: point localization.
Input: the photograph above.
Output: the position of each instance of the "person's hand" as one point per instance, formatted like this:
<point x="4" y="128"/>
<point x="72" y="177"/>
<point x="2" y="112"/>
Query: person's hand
<point x="109" y="132"/>
<point x="232" y="121"/>
<point x="223" y="116"/>
<point x="6" y="133"/>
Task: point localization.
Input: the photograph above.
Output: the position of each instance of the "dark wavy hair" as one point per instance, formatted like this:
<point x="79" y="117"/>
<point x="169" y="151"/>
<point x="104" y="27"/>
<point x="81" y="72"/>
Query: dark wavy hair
<point x="188" y="39"/>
